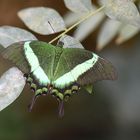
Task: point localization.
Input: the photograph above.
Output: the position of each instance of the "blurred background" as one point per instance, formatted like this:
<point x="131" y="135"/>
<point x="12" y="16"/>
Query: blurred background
<point x="112" y="113"/>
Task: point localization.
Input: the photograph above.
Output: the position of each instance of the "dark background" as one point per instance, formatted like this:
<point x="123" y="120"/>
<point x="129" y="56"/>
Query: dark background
<point x="112" y="113"/>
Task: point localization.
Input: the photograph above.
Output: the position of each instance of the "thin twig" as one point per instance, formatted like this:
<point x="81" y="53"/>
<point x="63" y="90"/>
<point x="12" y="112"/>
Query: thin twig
<point x="77" y="23"/>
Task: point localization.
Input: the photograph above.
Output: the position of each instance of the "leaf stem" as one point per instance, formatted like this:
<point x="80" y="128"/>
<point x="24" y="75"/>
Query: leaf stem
<point x="77" y="23"/>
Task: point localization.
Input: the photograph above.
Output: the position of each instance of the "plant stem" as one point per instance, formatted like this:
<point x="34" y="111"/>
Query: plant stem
<point x="77" y="23"/>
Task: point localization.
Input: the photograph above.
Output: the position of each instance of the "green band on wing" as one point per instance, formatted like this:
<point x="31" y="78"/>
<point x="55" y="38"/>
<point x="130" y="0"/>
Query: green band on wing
<point x="32" y="59"/>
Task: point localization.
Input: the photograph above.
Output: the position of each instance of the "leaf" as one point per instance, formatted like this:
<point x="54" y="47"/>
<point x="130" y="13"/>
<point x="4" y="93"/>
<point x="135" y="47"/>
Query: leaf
<point x="107" y="33"/>
<point x="87" y="27"/>
<point x="42" y="20"/>
<point x="122" y="10"/>
<point x="10" y="35"/>
<point x="79" y="6"/>
<point x="126" y="33"/>
<point x="71" y="18"/>
<point x="69" y="42"/>
<point x="12" y="83"/>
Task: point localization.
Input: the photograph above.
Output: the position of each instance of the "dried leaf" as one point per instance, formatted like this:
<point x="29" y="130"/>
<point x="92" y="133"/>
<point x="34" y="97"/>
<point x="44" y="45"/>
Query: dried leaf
<point x="107" y="33"/>
<point x="10" y="35"/>
<point x="69" y="42"/>
<point x="126" y="33"/>
<point x="42" y="20"/>
<point x="79" y="6"/>
<point x="87" y="27"/>
<point x="122" y="10"/>
<point x="12" y="83"/>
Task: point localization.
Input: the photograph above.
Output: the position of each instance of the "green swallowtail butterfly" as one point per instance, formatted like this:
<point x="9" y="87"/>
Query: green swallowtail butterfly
<point x="58" y="71"/>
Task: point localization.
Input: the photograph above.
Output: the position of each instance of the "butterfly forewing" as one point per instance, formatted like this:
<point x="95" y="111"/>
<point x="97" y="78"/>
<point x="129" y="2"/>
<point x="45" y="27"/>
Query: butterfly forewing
<point x="15" y="53"/>
<point x="46" y="56"/>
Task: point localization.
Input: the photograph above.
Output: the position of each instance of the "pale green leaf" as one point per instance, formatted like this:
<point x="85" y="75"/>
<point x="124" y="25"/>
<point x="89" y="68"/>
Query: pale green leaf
<point x="10" y="35"/>
<point x="12" y="83"/>
<point x="69" y="42"/>
<point x="126" y="33"/>
<point x="71" y="18"/>
<point x="122" y="10"/>
<point x="107" y="32"/>
<point x="88" y="26"/>
<point x="79" y="6"/>
<point x="42" y="20"/>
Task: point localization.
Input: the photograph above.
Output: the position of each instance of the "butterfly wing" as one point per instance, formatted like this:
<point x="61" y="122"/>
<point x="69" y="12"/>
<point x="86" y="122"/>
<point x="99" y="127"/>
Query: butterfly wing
<point x="15" y="54"/>
<point x="44" y="53"/>
<point x="83" y="67"/>
<point x="101" y="70"/>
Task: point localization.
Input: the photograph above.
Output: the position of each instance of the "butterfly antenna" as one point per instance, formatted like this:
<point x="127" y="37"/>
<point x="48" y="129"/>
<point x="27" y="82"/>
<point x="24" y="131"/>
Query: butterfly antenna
<point x="61" y="109"/>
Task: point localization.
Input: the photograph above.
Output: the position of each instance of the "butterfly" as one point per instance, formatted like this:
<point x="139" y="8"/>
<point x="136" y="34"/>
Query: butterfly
<point x="58" y="71"/>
